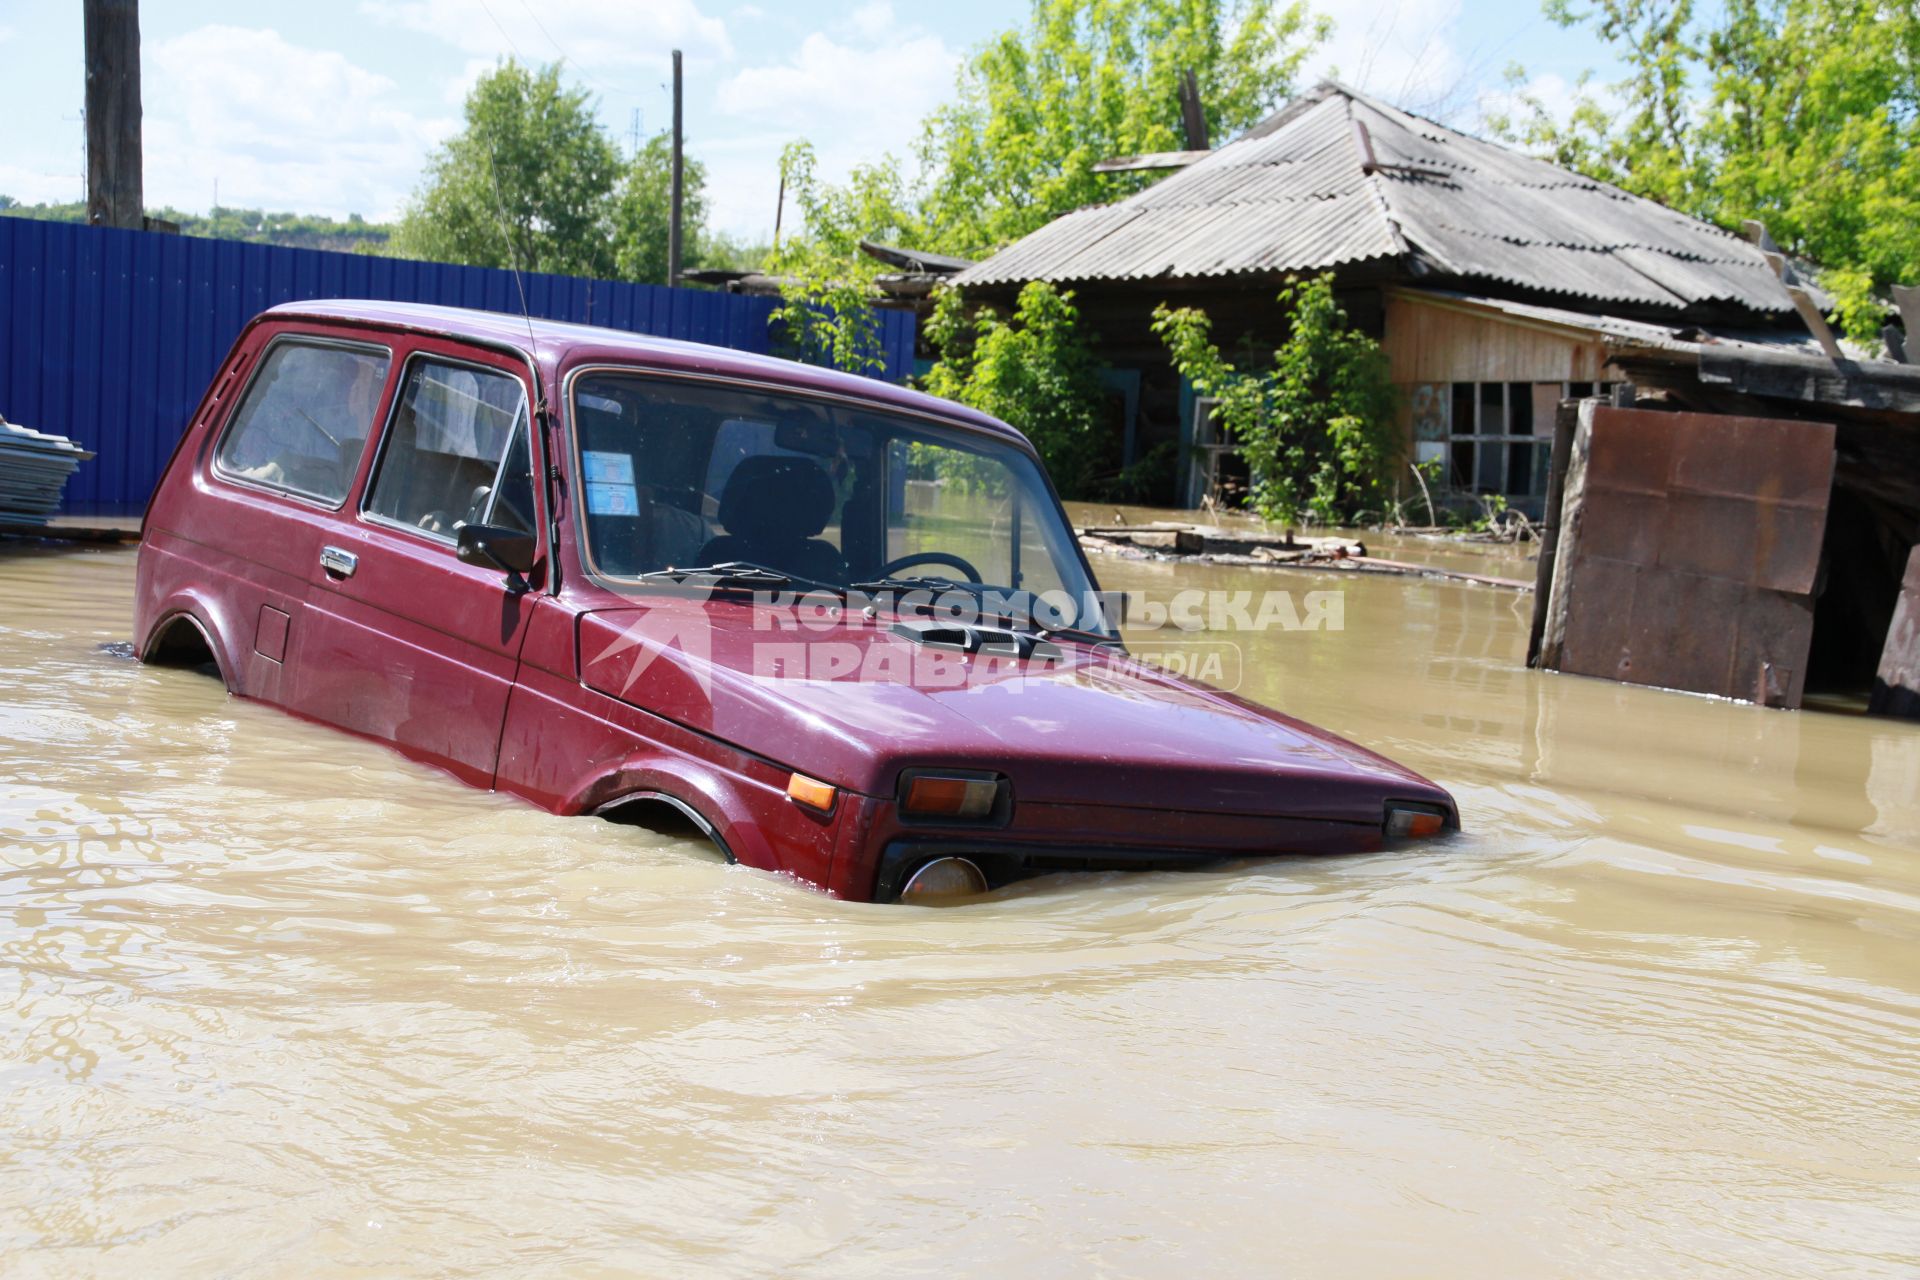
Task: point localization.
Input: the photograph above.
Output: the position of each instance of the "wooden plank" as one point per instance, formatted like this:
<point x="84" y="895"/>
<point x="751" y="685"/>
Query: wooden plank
<point x="1566" y="420"/>
<point x="1896" y="687"/>
<point x="1149" y="160"/>
<point x="1815" y="322"/>
<point x="1907" y="298"/>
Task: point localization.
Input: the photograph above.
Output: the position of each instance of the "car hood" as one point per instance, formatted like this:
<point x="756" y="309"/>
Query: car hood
<point x="852" y="702"/>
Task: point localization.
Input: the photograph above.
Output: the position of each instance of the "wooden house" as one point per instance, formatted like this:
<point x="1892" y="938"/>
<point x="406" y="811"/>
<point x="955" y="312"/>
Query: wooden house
<point x="1438" y="242"/>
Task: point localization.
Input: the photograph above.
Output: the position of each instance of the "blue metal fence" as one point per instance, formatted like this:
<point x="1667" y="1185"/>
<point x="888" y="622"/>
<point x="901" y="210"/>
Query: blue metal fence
<point x="110" y="336"/>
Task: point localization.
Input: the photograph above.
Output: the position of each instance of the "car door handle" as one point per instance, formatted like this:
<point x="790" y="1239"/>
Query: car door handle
<point x="338" y="563"/>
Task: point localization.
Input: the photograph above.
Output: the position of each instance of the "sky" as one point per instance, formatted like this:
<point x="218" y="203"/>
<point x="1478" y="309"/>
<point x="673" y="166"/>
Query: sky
<point x="333" y="107"/>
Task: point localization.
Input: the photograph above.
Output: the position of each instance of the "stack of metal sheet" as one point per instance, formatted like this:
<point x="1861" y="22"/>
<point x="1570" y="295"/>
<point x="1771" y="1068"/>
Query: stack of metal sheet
<point x="34" y="467"/>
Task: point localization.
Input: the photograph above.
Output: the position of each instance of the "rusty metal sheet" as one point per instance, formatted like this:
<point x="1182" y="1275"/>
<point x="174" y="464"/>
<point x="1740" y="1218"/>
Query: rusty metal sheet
<point x="1748" y="498"/>
<point x="1690" y="550"/>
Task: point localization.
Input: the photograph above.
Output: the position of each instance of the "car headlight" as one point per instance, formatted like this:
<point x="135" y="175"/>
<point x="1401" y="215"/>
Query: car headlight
<point x="943" y="880"/>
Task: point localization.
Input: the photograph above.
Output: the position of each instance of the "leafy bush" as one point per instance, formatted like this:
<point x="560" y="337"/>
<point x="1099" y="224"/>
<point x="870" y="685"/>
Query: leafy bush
<point x="1032" y="369"/>
<point x="1317" y="427"/>
<point x="827" y="282"/>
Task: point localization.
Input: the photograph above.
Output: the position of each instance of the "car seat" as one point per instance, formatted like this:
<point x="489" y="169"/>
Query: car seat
<point x="773" y="508"/>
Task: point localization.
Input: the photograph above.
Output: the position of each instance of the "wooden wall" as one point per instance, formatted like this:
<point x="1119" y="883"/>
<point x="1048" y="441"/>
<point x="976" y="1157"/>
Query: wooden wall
<point x="1433" y="342"/>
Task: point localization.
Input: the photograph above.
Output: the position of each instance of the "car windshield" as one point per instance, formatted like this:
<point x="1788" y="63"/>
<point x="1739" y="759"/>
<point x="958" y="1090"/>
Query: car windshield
<point x="680" y="475"/>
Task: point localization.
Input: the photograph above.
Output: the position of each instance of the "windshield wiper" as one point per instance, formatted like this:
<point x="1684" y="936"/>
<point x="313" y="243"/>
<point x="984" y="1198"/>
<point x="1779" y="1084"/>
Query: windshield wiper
<point x="979" y="591"/>
<point x="921" y="584"/>
<point x="736" y="573"/>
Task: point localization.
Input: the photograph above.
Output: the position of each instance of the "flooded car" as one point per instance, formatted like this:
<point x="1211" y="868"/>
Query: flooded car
<point x="841" y="628"/>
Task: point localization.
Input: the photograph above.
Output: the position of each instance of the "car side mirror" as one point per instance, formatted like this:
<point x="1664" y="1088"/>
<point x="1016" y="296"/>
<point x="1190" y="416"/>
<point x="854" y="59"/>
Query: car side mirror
<point x="507" y="550"/>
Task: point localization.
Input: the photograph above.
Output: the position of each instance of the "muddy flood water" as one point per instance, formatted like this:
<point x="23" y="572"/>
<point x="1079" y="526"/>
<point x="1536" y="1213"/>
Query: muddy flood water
<point x="278" y="1002"/>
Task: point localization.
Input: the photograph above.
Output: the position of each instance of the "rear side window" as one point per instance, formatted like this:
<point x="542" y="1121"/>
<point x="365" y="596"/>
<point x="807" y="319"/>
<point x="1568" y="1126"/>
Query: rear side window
<point x="456" y="452"/>
<point x="306" y="418"/>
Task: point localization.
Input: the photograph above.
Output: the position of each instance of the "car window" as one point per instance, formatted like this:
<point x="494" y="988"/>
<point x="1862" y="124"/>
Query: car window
<point x="305" y="419"/>
<point x="681" y="475"/>
<point x="513" y="496"/>
<point x="446" y="460"/>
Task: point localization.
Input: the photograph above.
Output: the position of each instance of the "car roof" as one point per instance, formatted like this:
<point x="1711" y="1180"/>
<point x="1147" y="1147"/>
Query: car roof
<point x="560" y="343"/>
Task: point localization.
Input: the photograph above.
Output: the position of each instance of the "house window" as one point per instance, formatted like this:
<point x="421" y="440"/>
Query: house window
<point x="1499" y="435"/>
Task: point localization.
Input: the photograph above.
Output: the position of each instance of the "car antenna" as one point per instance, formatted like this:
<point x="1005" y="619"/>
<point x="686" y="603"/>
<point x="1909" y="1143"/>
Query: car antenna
<point x="513" y="249"/>
<point x="542" y="420"/>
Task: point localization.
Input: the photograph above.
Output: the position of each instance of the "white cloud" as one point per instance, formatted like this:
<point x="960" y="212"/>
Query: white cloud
<point x="871" y="21"/>
<point x="586" y="33"/>
<point x="856" y="93"/>
<point x="278" y="126"/>
<point x="35" y="186"/>
<point x="872" y="88"/>
<point x="1400" y="50"/>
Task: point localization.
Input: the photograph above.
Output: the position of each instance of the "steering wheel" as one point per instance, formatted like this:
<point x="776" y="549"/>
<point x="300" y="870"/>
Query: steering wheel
<point x="892" y="568"/>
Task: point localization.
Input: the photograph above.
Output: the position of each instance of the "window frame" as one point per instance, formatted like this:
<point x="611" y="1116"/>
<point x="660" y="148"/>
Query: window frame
<point x="299" y="337"/>
<point x="577" y="514"/>
<point x="1503" y="441"/>
<point x="449" y="541"/>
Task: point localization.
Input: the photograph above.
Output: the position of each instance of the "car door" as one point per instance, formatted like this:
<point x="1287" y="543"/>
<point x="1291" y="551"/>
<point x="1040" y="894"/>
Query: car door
<point x="405" y="642"/>
<point x="270" y="487"/>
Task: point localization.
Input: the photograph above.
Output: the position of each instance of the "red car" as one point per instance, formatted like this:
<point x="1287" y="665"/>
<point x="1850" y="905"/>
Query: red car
<point x="842" y="627"/>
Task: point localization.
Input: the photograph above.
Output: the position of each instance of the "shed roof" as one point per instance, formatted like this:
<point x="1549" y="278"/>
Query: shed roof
<point x="1338" y="178"/>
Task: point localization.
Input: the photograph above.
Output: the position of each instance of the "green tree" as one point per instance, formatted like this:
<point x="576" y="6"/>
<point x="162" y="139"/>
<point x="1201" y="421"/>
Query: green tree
<point x="643" y="208"/>
<point x="1317" y="426"/>
<point x="826" y="310"/>
<point x="1803" y="114"/>
<point x="529" y="182"/>
<point x="1032" y="369"/>
<point x="1039" y="106"/>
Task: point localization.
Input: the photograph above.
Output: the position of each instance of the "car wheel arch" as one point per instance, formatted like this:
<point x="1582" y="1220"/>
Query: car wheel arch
<point x="182" y="638"/>
<point x="639" y="807"/>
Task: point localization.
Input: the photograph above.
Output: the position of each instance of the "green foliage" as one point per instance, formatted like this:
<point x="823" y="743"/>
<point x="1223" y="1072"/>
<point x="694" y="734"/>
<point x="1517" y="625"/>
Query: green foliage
<point x="534" y="181"/>
<point x="526" y="184"/>
<point x="1039" y="106"/>
<point x="642" y="212"/>
<point x="255" y="226"/>
<point x="1803" y="114"/>
<point x="825" y="312"/>
<point x="1317" y="427"/>
<point x="732" y="253"/>
<point x="1032" y="369"/>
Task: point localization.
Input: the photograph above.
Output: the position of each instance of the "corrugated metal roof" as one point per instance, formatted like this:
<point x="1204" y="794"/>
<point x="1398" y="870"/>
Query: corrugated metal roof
<point x="1622" y="332"/>
<point x="1290" y="200"/>
<point x="1295" y="194"/>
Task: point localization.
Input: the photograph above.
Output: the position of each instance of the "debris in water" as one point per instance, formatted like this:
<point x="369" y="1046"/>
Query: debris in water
<point x="34" y="467"/>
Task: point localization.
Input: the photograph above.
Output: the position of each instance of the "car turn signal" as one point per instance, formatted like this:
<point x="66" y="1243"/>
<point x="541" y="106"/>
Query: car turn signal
<point x="1414" y="822"/>
<point x="938" y="795"/>
<point x="811" y="792"/>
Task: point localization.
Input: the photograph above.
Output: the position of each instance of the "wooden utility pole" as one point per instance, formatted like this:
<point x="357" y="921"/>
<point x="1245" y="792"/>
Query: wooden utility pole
<point x="673" y="224"/>
<point x="114" y="196"/>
